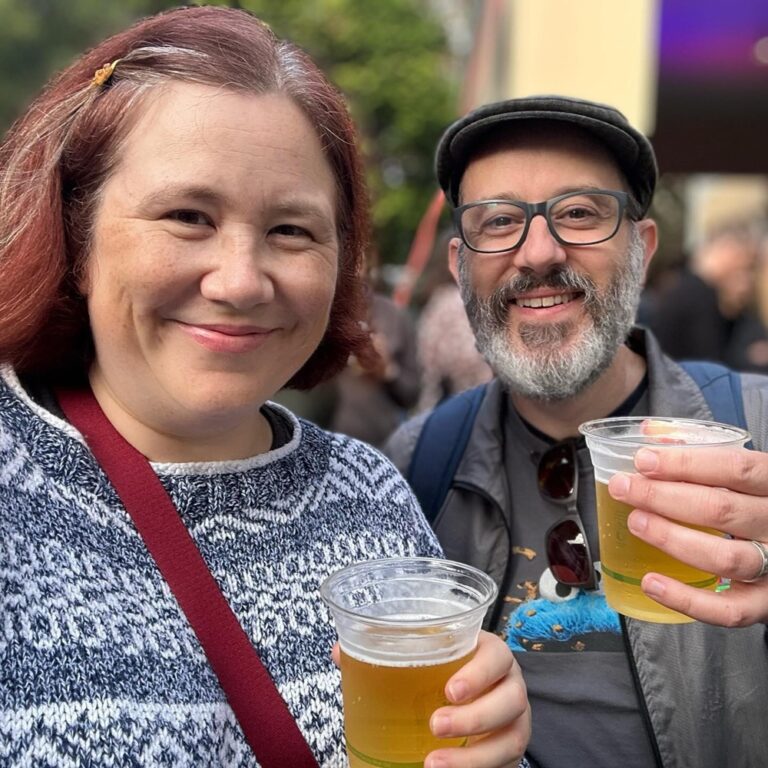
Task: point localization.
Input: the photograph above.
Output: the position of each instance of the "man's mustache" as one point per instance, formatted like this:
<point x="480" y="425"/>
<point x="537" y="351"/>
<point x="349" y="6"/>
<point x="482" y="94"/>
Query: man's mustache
<point x="558" y="279"/>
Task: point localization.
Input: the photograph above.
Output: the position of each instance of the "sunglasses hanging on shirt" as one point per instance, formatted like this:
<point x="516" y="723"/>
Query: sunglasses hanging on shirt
<point x="570" y="560"/>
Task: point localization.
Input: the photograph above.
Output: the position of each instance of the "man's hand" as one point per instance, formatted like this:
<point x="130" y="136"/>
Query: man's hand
<point x="724" y="489"/>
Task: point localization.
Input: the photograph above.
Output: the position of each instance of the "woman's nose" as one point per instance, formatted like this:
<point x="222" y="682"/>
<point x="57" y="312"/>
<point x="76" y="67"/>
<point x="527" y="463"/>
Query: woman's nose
<point x="240" y="274"/>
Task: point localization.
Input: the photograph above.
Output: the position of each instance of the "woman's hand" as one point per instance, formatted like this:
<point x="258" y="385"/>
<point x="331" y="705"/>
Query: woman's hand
<point x="490" y="705"/>
<point x="724" y="489"/>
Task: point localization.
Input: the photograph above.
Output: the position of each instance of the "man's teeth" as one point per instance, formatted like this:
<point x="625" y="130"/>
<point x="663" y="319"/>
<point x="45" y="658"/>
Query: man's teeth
<point x="544" y="301"/>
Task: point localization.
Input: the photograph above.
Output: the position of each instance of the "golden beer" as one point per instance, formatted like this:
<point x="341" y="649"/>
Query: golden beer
<point x="625" y="559"/>
<point x="405" y="626"/>
<point x="387" y="711"/>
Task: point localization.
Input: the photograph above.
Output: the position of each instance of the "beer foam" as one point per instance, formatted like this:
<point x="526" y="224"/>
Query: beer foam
<point x="416" y="647"/>
<point x="407" y="660"/>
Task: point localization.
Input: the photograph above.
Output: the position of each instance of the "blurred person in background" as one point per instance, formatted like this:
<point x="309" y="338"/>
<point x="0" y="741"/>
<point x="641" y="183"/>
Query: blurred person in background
<point x="700" y="312"/>
<point x="371" y="403"/>
<point x="449" y="358"/>
<point x="749" y="347"/>
<point x="184" y="225"/>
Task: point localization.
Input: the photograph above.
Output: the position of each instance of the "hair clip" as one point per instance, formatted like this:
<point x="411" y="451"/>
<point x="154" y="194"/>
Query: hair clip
<point x="103" y="74"/>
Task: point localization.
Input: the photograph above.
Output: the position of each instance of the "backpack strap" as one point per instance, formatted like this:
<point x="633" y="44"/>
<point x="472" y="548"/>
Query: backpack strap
<point x="440" y="447"/>
<point x="721" y="388"/>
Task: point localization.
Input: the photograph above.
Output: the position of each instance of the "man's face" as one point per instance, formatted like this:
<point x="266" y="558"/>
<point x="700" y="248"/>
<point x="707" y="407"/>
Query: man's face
<point x="550" y="318"/>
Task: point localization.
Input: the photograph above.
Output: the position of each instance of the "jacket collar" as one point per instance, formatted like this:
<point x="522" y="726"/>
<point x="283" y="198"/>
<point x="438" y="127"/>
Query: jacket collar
<point x="671" y="392"/>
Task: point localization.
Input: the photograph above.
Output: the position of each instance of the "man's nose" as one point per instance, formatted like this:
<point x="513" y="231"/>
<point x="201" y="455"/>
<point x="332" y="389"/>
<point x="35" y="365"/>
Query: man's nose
<point x="540" y="251"/>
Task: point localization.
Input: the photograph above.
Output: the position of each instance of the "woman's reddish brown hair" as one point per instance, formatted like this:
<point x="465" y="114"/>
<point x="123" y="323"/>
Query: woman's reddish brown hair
<point x="57" y="156"/>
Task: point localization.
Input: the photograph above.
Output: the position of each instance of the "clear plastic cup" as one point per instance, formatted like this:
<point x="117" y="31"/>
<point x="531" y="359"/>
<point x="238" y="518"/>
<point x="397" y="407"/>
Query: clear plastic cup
<point x="405" y="625"/>
<point x="625" y="559"/>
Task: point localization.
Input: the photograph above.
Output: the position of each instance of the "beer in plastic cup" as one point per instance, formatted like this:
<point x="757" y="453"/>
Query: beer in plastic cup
<point x="405" y="625"/>
<point x="625" y="559"/>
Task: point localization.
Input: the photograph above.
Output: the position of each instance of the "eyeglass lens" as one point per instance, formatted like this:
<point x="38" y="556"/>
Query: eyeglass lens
<point x="582" y="218"/>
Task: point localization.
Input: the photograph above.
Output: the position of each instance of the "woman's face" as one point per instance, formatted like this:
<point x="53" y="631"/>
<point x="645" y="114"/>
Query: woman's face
<point x="213" y="265"/>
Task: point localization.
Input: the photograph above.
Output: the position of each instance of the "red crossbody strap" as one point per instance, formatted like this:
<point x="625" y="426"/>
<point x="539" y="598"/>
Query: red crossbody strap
<point x="264" y="717"/>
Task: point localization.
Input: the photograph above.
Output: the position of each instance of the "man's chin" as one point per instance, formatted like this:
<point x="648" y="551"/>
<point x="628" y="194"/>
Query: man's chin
<point x="550" y="369"/>
<point x="534" y="337"/>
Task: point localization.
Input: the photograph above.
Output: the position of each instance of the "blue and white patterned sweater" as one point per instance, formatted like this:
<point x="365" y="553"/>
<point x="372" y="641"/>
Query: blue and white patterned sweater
<point x="98" y="665"/>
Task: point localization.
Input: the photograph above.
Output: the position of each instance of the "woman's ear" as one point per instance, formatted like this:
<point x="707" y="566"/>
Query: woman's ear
<point x="83" y="280"/>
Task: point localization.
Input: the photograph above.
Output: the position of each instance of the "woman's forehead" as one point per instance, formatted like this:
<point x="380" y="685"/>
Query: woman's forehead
<point x="193" y="135"/>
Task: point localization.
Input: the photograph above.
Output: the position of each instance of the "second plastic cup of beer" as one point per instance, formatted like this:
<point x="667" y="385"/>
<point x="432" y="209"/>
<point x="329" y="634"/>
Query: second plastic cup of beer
<point x="625" y="559"/>
<point x="405" y="626"/>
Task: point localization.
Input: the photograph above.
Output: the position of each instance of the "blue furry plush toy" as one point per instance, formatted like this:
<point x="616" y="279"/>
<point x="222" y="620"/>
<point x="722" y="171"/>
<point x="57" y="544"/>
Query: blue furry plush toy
<point x="560" y="620"/>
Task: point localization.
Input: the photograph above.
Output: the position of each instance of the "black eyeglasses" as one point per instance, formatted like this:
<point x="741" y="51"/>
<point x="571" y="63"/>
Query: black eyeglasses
<point x="575" y="218"/>
<point x="566" y="541"/>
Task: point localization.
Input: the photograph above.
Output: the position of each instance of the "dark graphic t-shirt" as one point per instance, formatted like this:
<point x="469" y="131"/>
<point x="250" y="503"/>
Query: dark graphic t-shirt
<point x="568" y="641"/>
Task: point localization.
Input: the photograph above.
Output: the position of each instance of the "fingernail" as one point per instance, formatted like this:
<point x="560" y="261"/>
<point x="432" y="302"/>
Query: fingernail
<point x="457" y="691"/>
<point x="435" y="762"/>
<point x="440" y="725"/>
<point x="637" y="521"/>
<point x="653" y="587"/>
<point x="646" y="461"/>
<point x="618" y="485"/>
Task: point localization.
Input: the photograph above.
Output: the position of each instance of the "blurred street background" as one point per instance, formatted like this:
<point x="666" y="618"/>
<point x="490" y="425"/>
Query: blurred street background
<point x="692" y="75"/>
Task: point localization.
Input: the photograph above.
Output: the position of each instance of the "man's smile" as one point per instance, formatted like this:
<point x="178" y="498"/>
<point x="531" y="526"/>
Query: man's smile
<point x="551" y="300"/>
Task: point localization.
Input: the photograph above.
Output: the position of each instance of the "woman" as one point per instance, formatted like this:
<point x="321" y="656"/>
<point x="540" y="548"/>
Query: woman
<point x="183" y="225"/>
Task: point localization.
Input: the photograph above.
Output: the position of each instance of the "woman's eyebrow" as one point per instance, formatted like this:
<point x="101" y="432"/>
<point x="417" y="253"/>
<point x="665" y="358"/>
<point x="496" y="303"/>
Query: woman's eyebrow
<point x="199" y="192"/>
<point x="292" y="205"/>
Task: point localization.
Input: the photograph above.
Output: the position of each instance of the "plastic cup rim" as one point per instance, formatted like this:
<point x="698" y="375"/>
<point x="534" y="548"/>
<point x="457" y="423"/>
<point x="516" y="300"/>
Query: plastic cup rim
<point x="382" y="621"/>
<point x="589" y="430"/>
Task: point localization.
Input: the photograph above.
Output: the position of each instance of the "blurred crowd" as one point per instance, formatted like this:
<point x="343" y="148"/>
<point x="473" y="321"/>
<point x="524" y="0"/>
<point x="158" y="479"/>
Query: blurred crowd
<point x="713" y="304"/>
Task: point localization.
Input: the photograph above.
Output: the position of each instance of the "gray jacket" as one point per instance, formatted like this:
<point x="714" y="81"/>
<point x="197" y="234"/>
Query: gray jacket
<point x="704" y="688"/>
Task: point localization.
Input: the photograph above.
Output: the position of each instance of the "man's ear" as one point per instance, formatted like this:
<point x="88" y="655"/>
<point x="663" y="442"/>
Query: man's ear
<point x="453" y="257"/>
<point x="649" y="233"/>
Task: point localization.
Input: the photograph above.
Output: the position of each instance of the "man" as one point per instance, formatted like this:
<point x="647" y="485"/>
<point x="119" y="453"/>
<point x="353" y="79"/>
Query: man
<point x="551" y="289"/>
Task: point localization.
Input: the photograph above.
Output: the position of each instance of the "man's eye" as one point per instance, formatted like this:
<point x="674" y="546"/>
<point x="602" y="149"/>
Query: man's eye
<point x="502" y="221"/>
<point x="192" y="218"/>
<point x="579" y="213"/>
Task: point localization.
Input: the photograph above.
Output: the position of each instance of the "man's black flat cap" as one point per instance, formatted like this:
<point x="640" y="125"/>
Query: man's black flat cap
<point x="631" y="149"/>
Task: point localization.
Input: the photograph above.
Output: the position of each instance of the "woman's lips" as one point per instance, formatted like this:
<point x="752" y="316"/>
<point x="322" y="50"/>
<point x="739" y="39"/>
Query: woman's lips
<point x="231" y="339"/>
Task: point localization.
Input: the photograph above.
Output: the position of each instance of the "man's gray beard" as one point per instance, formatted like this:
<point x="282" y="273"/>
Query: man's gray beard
<point x="535" y="364"/>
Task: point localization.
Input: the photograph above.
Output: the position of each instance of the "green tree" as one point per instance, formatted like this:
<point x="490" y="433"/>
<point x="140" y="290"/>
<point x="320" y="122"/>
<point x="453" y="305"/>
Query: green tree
<point x="39" y="37"/>
<point x="388" y="58"/>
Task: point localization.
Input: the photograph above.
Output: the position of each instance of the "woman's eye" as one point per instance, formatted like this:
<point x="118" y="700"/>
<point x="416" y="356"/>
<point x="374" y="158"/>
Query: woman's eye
<point x="290" y="230"/>
<point x="191" y="218"/>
